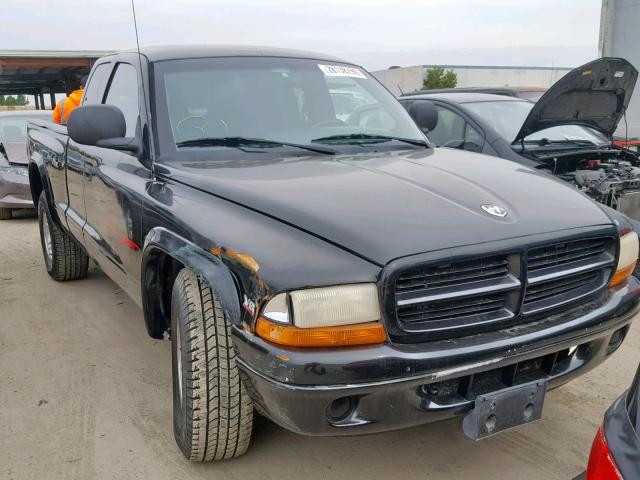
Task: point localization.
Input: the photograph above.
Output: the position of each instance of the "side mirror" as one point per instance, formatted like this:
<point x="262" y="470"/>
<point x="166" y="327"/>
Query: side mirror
<point x="101" y="126"/>
<point x="425" y="114"/>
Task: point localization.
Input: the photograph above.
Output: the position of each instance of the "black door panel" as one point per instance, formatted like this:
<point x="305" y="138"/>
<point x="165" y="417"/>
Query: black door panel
<point x="114" y="185"/>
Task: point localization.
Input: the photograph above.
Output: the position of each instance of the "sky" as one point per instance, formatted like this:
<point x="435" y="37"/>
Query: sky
<point x="373" y="33"/>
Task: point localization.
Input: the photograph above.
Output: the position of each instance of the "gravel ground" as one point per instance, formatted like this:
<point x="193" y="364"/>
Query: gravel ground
<point x="85" y="393"/>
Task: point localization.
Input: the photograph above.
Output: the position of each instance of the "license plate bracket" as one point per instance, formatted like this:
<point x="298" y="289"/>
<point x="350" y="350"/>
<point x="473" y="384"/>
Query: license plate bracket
<point x="499" y="411"/>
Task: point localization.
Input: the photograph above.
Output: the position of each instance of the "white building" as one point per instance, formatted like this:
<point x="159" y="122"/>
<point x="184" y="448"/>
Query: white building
<point x="409" y="79"/>
<point x="620" y="37"/>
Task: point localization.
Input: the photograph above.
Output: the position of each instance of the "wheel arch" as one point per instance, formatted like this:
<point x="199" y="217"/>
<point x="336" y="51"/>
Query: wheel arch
<point x="38" y="183"/>
<point x="35" y="183"/>
<point x="165" y="253"/>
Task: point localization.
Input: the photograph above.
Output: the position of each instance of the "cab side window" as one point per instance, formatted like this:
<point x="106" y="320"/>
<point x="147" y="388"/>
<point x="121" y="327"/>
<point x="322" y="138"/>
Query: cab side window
<point x="449" y="129"/>
<point x="123" y="93"/>
<point x="453" y="131"/>
<point x="95" y="87"/>
<point x="473" y="140"/>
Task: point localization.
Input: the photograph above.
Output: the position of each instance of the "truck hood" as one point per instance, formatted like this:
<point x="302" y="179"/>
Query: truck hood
<point x="594" y="95"/>
<point x="383" y="206"/>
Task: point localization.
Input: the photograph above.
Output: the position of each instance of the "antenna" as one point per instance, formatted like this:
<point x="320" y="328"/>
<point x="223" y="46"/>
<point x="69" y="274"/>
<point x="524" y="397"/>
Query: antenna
<point x="400" y="88"/>
<point x="144" y="90"/>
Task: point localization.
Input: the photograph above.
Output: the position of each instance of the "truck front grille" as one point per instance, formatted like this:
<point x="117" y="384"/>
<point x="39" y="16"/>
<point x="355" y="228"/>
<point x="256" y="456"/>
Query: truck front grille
<point x="448" y="299"/>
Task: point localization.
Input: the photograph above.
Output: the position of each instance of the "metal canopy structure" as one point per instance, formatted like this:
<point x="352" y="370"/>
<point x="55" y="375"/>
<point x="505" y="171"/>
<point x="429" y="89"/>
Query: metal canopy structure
<point x="36" y="72"/>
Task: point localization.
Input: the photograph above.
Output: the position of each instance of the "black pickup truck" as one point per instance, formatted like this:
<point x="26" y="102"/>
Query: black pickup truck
<point x="331" y="271"/>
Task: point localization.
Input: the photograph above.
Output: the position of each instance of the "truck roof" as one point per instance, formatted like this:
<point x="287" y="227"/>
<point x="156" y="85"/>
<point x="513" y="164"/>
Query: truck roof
<point x="175" y="52"/>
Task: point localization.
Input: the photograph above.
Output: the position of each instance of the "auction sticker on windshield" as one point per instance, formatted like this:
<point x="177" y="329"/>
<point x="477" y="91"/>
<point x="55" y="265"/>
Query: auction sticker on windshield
<point x="340" y="71"/>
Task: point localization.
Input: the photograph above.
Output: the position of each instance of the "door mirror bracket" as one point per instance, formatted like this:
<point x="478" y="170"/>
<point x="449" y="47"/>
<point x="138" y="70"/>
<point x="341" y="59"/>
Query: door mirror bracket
<point x="123" y="144"/>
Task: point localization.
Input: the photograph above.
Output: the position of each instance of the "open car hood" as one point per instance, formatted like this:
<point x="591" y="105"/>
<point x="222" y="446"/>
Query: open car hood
<point x="594" y="95"/>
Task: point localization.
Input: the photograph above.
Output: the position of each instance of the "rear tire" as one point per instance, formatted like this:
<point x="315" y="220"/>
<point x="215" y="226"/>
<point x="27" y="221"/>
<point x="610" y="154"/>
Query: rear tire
<point x="64" y="258"/>
<point x="5" y="213"/>
<point x="212" y="412"/>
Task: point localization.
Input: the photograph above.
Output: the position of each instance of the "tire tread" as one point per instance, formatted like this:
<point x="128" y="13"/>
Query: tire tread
<point x="219" y="411"/>
<point x="70" y="261"/>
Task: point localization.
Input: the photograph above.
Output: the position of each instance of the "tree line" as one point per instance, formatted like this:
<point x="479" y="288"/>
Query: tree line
<point x="10" y="100"/>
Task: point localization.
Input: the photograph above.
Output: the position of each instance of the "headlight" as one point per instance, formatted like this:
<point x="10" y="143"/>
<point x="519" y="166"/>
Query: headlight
<point x="324" y="317"/>
<point x="626" y="259"/>
<point x="16" y="170"/>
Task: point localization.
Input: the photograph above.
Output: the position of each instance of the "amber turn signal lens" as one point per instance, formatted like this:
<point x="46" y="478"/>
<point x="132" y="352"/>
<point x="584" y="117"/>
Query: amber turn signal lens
<point x="622" y="274"/>
<point x="290" y="336"/>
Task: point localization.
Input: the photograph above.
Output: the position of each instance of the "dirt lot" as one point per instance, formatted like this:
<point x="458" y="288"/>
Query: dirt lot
<point x="84" y="393"/>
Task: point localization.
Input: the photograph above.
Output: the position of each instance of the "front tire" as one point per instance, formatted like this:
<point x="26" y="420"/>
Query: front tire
<point x="64" y="258"/>
<point x="212" y="412"/>
<point x="5" y="213"/>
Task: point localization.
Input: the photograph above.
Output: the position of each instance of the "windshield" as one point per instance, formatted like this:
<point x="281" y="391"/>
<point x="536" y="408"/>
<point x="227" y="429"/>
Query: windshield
<point x="14" y="129"/>
<point x="282" y="100"/>
<point x="507" y="117"/>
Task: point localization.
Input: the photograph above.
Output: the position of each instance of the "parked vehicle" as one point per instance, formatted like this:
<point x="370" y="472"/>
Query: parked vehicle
<point x="568" y="132"/>
<point x="338" y="276"/>
<point x="630" y="143"/>
<point x="532" y="94"/>
<point x="14" y="180"/>
<point x="615" y="454"/>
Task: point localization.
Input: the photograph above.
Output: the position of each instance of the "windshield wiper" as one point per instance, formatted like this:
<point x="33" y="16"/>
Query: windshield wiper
<point x="365" y="136"/>
<point x="245" y="142"/>
<point x="545" y="141"/>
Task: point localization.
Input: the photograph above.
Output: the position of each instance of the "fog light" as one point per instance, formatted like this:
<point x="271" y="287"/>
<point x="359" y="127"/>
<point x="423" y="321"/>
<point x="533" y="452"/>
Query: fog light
<point x="616" y="339"/>
<point x="342" y="408"/>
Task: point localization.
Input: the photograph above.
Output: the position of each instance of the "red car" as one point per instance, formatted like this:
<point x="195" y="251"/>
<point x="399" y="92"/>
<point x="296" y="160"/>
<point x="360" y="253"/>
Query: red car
<point x="630" y="143"/>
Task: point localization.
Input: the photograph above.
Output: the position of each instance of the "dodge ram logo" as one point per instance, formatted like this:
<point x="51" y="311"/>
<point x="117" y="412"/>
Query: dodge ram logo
<point x="495" y="210"/>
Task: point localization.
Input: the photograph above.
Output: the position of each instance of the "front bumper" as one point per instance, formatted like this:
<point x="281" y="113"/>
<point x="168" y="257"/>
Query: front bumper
<point x="14" y="191"/>
<point x="385" y="387"/>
